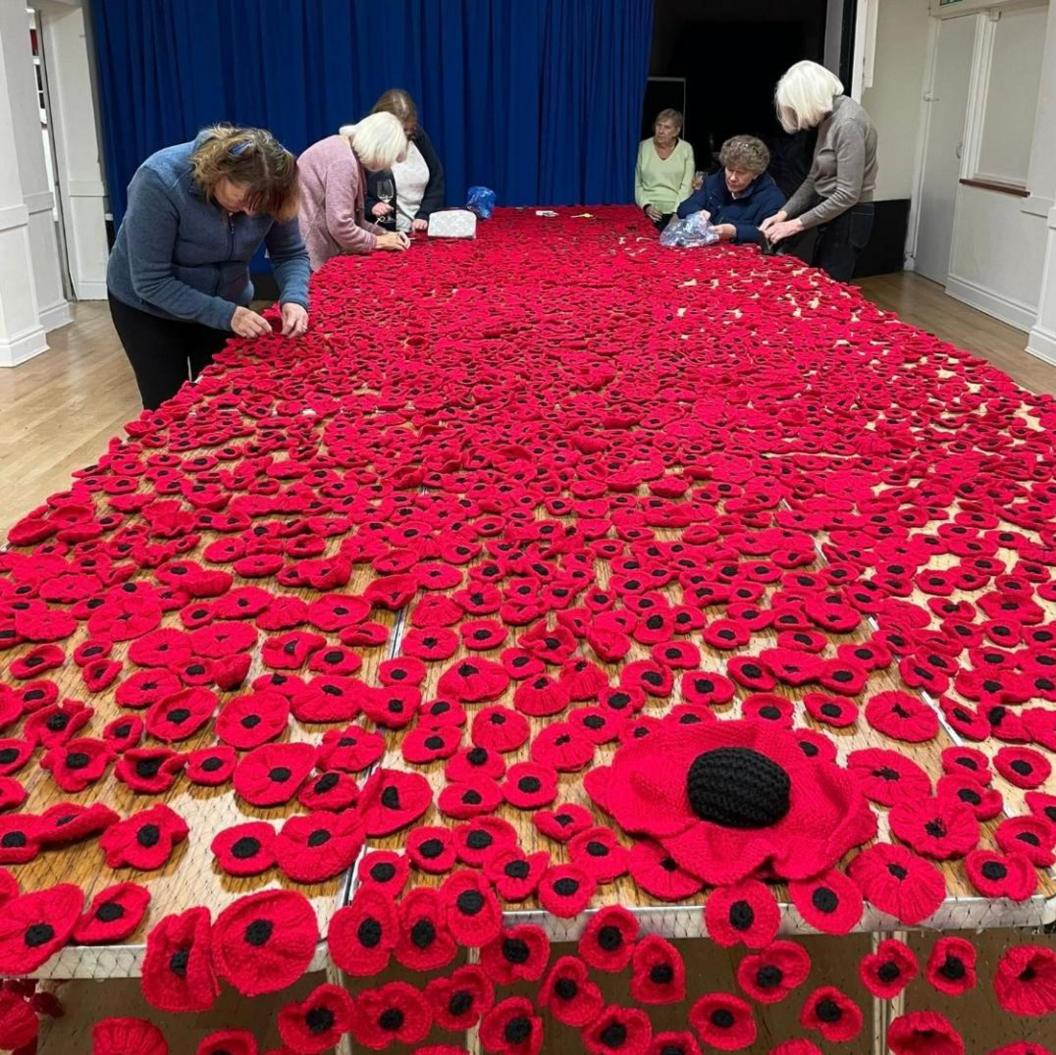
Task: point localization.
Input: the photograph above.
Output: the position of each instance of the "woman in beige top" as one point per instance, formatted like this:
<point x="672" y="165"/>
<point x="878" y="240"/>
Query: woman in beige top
<point x="663" y="176"/>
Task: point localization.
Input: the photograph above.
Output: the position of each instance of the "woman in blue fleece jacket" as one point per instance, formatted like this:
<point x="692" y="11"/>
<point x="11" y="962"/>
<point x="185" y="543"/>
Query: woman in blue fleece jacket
<point x="741" y="194"/>
<point x="178" y="276"/>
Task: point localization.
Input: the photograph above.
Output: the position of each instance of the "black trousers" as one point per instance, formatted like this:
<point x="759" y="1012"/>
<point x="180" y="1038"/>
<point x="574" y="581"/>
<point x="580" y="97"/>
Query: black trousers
<point x="835" y="246"/>
<point x="164" y="353"/>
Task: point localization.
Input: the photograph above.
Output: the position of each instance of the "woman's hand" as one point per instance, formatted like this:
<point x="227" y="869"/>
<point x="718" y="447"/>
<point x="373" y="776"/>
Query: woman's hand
<point x="726" y="232"/>
<point x="380" y="208"/>
<point x="395" y="240"/>
<point x="653" y="213"/>
<point x="420" y="225"/>
<point x="249" y="324"/>
<point x="778" y="217"/>
<point x="786" y="229"/>
<point x="294" y="320"/>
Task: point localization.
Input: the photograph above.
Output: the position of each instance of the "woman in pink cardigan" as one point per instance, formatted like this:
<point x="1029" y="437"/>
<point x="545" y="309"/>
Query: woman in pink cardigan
<point x="333" y="181"/>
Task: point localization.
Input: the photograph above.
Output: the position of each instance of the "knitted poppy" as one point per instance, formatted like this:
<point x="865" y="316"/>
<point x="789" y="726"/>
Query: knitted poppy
<point x="696" y="789"/>
<point x="996" y="875"/>
<point x="471" y="909"/>
<point x="830" y="710"/>
<point x="473" y="680"/>
<point x="431" y="849"/>
<point x="123" y="733"/>
<point x="14" y="754"/>
<point x="530" y="785"/>
<point x="1042" y="805"/>
<point x="351" y="749"/>
<point x="363" y="933"/>
<point x="563" y="822"/>
<point x="673" y="1043"/>
<point x="384" y="870"/>
<point x="36" y="925"/>
<point x="902" y="717"/>
<point x="569" y="994"/>
<point x="896" y="881"/>
<point x="1025" y="980"/>
<point x="314" y="847"/>
<point x="751" y="673"/>
<point x="563" y="747"/>
<point x="422" y="746"/>
<point x="55" y="724"/>
<point x="67" y="822"/>
<point x="887" y="970"/>
<point x="228" y="1042"/>
<point x="478" y="841"/>
<point x="768" y="707"/>
<point x="474" y="762"/>
<point x="518" y="952"/>
<point x="512" y="1028"/>
<point x="888" y="777"/>
<point x="832" y="1013"/>
<point x="114" y="915"/>
<point x="424" y="942"/>
<point x="607" y="942"/>
<point x="951" y="966"/>
<point x="658" y="974"/>
<point x="401" y="671"/>
<point x="1030" y="836"/>
<point x="441" y="714"/>
<point x="317" y="1023"/>
<point x="769" y="975"/>
<point x="623" y="702"/>
<point x="265" y="941"/>
<point x="19" y="839"/>
<point x="77" y="764"/>
<point x="830" y="902"/>
<point x="565" y="890"/>
<point x="723" y="1021"/>
<point x="391" y="800"/>
<point x="245" y="849"/>
<point x="599" y="853"/>
<point x="940" y="828"/>
<point x="12" y="793"/>
<point x="618" y="1029"/>
<point x="146" y="840"/>
<point x="271" y="774"/>
<point x="746" y="913"/>
<point x="146" y="687"/>
<point x="290" y="651"/>
<point x="459" y="1000"/>
<point x="208" y="766"/>
<point x="514" y="874"/>
<point x="499" y="729"/>
<point x="430" y="644"/>
<point x="18" y="1023"/>
<point x="177" y="965"/>
<point x="598" y="725"/>
<point x="923" y="1033"/>
<point x="149" y="770"/>
<point x="249" y="721"/>
<point x="1023" y="767"/>
<point x="967" y="762"/>
<point x="986" y="803"/>
<point x="128" y="1036"/>
<point x="658" y="874"/>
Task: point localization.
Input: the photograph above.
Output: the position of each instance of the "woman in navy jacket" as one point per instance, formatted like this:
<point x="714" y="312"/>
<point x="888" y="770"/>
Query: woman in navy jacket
<point x="741" y="194"/>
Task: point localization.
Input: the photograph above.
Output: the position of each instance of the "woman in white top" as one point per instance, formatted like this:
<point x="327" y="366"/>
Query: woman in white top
<point x="663" y="176"/>
<point x="418" y="178"/>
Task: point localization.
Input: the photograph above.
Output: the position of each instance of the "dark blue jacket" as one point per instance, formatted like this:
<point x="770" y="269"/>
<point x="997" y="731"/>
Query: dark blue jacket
<point x="762" y="199"/>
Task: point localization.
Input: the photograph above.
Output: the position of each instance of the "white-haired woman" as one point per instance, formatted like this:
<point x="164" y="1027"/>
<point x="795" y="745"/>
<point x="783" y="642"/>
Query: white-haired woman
<point x="836" y="198"/>
<point x="333" y="178"/>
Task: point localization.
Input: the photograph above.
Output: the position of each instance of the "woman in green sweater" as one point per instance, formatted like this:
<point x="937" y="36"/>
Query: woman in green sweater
<point x="663" y="177"/>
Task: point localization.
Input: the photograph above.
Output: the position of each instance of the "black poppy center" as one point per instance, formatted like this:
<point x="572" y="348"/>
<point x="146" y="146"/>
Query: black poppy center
<point x="518" y="1030"/>
<point x="662" y="974"/>
<point x="721" y="1018"/>
<point x="109" y="912"/>
<point x="148" y="835"/>
<point x="566" y="988"/>
<point x="614" y="1035"/>
<point x="245" y="848"/>
<point x="319" y="1020"/>
<point x="259" y="932"/>
<point x="829" y="1011"/>
<point x="470" y="902"/>
<point x="738" y="788"/>
<point x="610" y="938"/>
<point x="515" y="950"/>
<point x="39" y="934"/>
<point x="889" y="971"/>
<point x="824" y="900"/>
<point x="391" y="1019"/>
<point x="769" y="977"/>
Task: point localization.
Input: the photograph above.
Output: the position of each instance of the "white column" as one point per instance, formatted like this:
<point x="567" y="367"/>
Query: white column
<point x="37" y="194"/>
<point x="21" y="334"/>
<point x="77" y="148"/>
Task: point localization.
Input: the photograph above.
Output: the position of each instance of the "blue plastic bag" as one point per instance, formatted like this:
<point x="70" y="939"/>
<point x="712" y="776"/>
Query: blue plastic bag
<point x="481" y="200"/>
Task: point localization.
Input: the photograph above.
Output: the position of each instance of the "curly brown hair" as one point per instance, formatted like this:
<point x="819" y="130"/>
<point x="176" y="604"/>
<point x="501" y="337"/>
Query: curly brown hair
<point x="745" y="153"/>
<point x="249" y="156"/>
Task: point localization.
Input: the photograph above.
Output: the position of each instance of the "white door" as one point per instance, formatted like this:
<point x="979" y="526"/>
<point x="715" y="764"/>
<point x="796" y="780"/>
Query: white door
<point x="947" y="108"/>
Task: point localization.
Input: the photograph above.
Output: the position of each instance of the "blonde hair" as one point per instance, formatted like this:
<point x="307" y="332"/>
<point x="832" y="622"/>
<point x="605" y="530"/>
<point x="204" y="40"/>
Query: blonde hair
<point x="674" y="116"/>
<point x="398" y="102"/>
<point x="379" y="141"/>
<point x="804" y="95"/>
<point x="745" y="153"/>
<point x="249" y="156"/>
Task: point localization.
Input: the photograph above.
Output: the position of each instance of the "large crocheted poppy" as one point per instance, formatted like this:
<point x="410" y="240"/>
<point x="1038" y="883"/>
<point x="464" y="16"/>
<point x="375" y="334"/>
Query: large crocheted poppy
<point x="723" y="1021"/>
<point x="924" y="1033"/>
<point x="459" y="1000"/>
<point x="728" y="798"/>
<point x="622" y="1030"/>
<point x="395" y="1013"/>
<point x="951" y="966"/>
<point x="177" y="966"/>
<point x="569" y="994"/>
<point x="114" y="915"/>
<point x="887" y="970"/>
<point x="768" y="976"/>
<point x="519" y="952"/>
<point x="33" y="926"/>
<point x="1025" y="980"/>
<point x="898" y="882"/>
<point x="512" y="1028"/>
<point x="317" y="1023"/>
<point x="832" y="1013"/>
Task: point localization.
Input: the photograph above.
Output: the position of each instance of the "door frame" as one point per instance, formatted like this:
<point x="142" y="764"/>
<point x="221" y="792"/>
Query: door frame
<point x="920" y="149"/>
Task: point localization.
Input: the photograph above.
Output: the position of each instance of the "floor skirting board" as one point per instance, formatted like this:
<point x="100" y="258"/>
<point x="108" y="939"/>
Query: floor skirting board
<point x="1014" y="312"/>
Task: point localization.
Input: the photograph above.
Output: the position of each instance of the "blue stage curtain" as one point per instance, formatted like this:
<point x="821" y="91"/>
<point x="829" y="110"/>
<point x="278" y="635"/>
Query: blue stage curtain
<point x="538" y="99"/>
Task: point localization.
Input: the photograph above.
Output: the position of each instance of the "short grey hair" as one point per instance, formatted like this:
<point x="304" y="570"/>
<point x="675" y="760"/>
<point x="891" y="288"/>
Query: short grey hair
<point x="804" y="95"/>
<point x="674" y="116"/>
<point x="745" y="153"/>
<point x="379" y="141"/>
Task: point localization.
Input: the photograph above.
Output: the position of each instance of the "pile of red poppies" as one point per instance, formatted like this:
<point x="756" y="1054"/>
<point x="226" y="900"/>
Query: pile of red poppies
<point x="675" y="556"/>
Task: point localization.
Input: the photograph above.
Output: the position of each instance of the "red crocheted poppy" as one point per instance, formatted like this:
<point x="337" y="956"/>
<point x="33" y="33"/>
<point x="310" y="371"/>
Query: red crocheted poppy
<point x="749" y="672"/>
<point x="1041" y="805"/>
<point x="695" y="789"/>
<point x="768" y="707"/>
<point x="149" y="771"/>
<point x="832" y="1013"/>
<point x="129" y="1036"/>
<point x="431" y="849"/>
<point x="36" y="925"/>
<point x="985" y="803"/>
<point x="19" y="839"/>
<point x="482" y="839"/>
<point x="888" y="777"/>
<point x="14" y="754"/>
<point x="441" y="714"/>
<point x="887" y="970"/>
<point x="123" y="733"/>
<point x="180" y="716"/>
<point x="563" y="747"/>
<point x="723" y="1021"/>
<point x="245" y="849"/>
<point x="744" y="913"/>
<point x="459" y="1000"/>
<point x="967" y="762"/>
<point x="923" y="1033"/>
<point x="473" y="680"/>
<point x="422" y="746"/>
<point x="77" y="764"/>
<point x="658" y="874"/>
<point x="995" y="875"/>
<point x="902" y="717"/>
<point x="401" y="671"/>
<point x="670" y="1042"/>
<point x="563" y="822"/>
<point x="658" y="974"/>
<point x="830" y="902"/>
<point x="67" y="822"/>
<point x="898" y="882"/>
<point x="209" y="766"/>
<point x="565" y="890"/>
<point x="177" y="966"/>
<point x="518" y="952"/>
<point x="472" y="763"/>
<point x="363" y="934"/>
<point x="249" y="721"/>
<point x="290" y="651"/>
<point x="351" y="749"/>
<point x="317" y="1023"/>
<point x="623" y="702"/>
<point x="114" y="915"/>
<point x="512" y="1028"/>
<point x="146" y="687"/>
<point x="830" y="710"/>
<point x="569" y="994"/>
<point x="424" y="942"/>
<point x="471" y="909"/>
<point x="264" y="942"/>
<point x="271" y="774"/>
<point x="499" y="729"/>
<point x="145" y="840"/>
<point x="386" y="871"/>
<point x="530" y="785"/>
<point x="391" y="800"/>
<point x="514" y="874"/>
<point x="607" y="942"/>
<point x="12" y="793"/>
<point x="618" y="1029"/>
<point x="1023" y="767"/>
<point x="314" y="847"/>
<point x="769" y="975"/>
<point x="228" y="1042"/>
<point x="1030" y="836"/>
<point x="951" y="966"/>
<point x="54" y="725"/>
<point x="430" y="644"/>
<point x="1025" y="980"/>
<point x="940" y="828"/>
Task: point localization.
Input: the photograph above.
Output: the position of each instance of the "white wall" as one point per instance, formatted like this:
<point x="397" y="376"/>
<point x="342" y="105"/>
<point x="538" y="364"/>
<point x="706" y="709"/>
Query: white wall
<point x="894" y="100"/>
